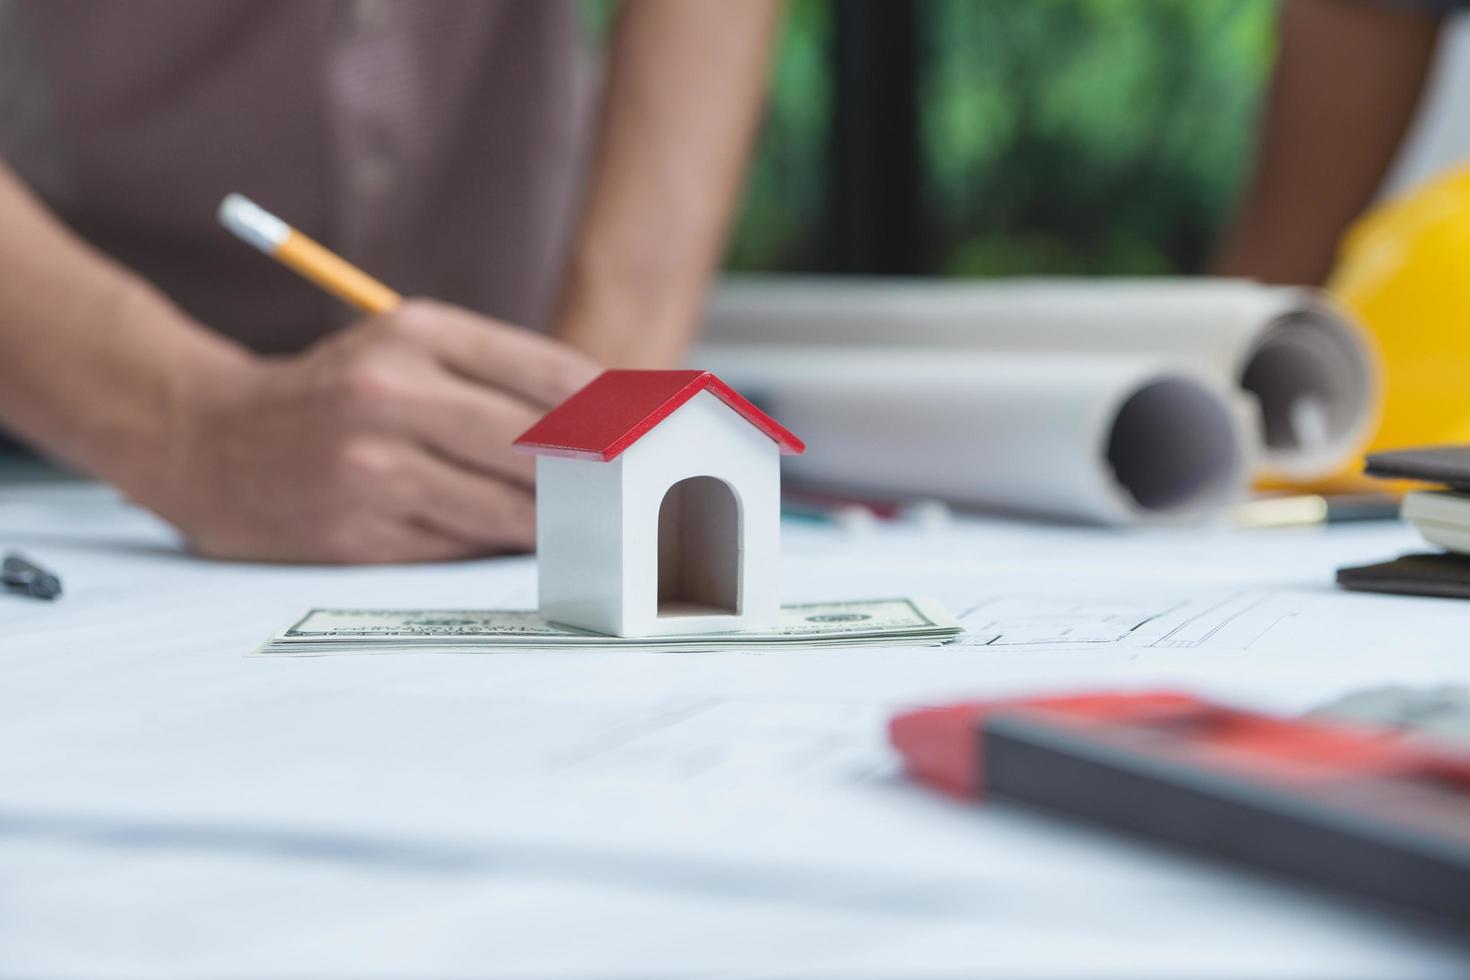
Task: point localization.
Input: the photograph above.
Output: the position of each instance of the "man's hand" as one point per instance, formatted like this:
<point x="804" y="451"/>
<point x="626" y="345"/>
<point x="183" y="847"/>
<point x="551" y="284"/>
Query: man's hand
<point x="388" y="442"/>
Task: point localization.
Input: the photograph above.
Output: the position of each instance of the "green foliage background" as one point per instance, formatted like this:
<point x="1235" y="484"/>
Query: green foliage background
<point x="1088" y="137"/>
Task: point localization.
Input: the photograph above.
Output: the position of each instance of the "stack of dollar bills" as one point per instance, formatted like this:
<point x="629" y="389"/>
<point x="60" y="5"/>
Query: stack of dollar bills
<point x="872" y="622"/>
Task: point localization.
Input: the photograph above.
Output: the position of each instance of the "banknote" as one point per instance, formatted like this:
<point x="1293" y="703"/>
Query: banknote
<point x="868" y="622"/>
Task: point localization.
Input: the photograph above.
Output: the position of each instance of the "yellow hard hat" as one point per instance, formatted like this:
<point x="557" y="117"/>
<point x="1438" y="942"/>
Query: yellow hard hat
<point x="1404" y="270"/>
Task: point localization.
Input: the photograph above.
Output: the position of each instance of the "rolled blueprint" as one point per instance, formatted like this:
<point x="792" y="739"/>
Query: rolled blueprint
<point x="1303" y="362"/>
<point x="1112" y="439"/>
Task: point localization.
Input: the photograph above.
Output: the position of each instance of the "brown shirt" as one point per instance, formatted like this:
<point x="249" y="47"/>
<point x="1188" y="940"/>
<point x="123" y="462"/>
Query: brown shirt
<point x="436" y="143"/>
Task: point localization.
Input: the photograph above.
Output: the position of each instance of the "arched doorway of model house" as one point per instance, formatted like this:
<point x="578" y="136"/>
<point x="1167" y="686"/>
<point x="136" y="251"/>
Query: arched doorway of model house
<point x="699" y="549"/>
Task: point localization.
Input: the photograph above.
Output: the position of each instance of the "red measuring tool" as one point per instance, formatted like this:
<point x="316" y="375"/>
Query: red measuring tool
<point x="1364" y="812"/>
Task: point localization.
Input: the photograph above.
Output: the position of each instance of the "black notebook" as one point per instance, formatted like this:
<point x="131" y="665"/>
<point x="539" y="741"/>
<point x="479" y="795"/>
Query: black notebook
<point x="1449" y="465"/>
<point x="1445" y="575"/>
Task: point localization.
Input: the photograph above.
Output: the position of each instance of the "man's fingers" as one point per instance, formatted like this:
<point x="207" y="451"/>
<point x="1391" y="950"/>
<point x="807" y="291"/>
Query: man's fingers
<point x="470" y="507"/>
<point x="416" y="542"/>
<point x="475" y="425"/>
<point x="537" y="368"/>
<point x="390" y="542"/>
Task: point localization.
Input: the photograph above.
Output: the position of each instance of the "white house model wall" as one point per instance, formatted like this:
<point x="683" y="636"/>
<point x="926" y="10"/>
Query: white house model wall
<point x="679" y="533"/>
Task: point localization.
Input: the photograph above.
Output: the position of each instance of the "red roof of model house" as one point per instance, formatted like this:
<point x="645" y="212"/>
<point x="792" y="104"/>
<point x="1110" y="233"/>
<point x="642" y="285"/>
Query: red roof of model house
<point x="619" y="407"/>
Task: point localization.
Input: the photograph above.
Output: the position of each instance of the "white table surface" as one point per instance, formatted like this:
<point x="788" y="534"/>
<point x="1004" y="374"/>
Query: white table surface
<point x="172" y="807"/>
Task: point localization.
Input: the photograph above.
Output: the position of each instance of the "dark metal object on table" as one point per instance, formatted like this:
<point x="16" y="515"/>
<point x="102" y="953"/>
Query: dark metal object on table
<point x="26" y="578"/>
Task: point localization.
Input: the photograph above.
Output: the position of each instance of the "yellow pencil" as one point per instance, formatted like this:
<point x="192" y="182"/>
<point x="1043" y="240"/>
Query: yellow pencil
<point x="306" y="257"/>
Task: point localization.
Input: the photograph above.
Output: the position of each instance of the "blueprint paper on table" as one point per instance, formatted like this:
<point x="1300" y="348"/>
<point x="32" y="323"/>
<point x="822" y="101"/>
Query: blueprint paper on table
<point x="1302" y="361"/>
<point x="1109" y="439"/>
<point x="174" y="809"/>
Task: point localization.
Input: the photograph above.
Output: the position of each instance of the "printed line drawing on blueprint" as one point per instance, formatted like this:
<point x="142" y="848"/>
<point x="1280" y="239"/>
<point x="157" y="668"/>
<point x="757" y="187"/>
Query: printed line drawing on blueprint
<point x="1232" y="620"/>
<point x="686" y="739"/>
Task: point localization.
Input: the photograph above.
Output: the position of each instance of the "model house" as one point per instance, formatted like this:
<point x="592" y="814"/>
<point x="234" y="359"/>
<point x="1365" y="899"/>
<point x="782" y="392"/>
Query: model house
<point x="658" y="506"/>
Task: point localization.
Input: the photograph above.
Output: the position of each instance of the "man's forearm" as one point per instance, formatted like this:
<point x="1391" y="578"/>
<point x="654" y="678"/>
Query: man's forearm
<point x="1348" y="79"/>
<point x="93" y="361"/>
<point x="684" y="91"/>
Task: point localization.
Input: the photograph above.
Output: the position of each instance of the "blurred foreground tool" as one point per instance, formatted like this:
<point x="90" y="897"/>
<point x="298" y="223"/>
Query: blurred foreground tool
<point x="1435" y="713"/>
<point x="27" y="578"/>
<point x="1357" y="810"/>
